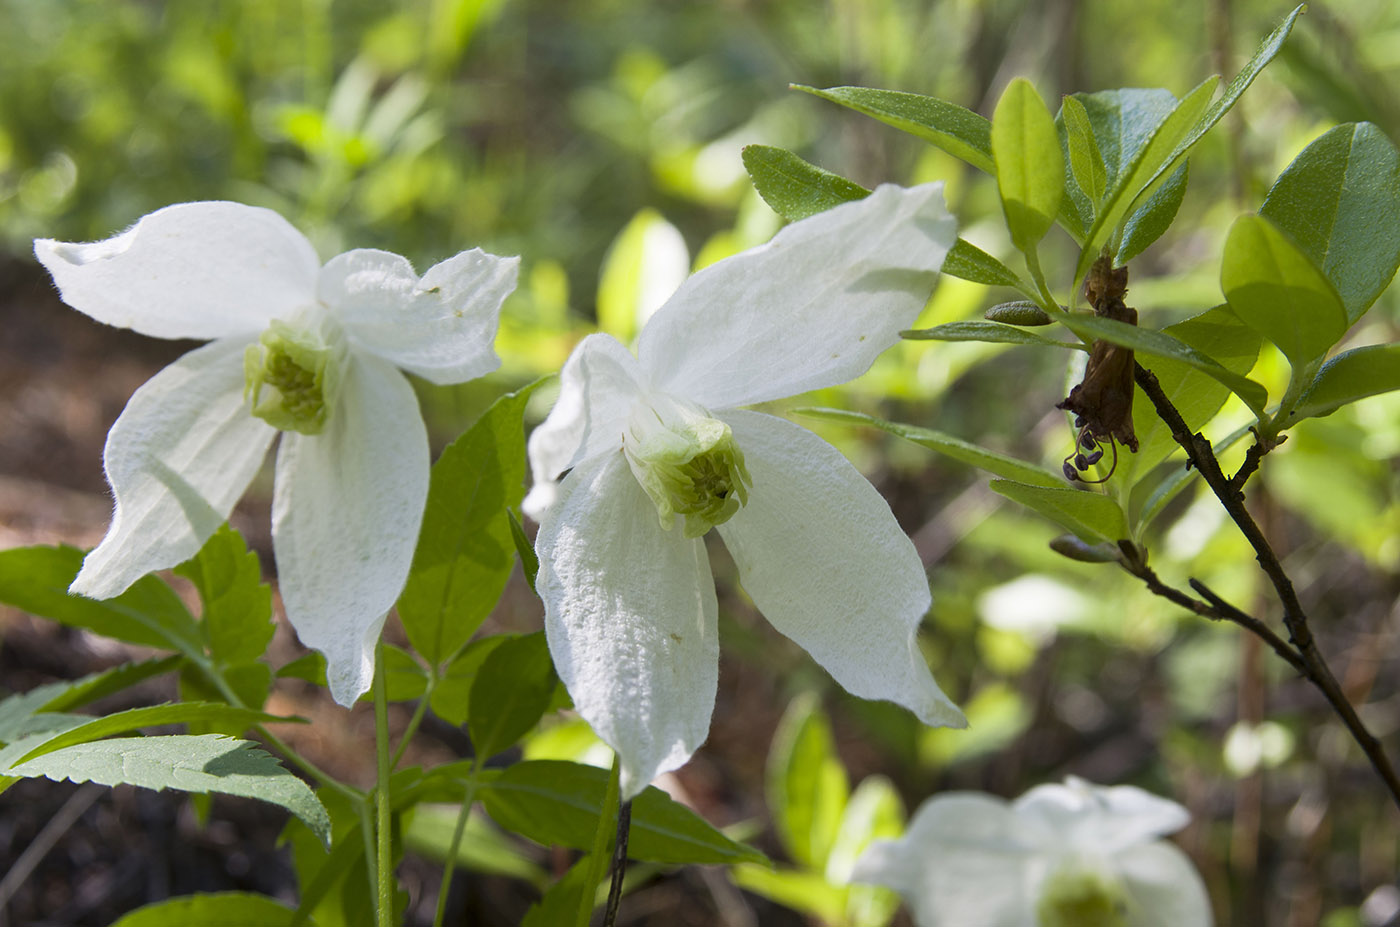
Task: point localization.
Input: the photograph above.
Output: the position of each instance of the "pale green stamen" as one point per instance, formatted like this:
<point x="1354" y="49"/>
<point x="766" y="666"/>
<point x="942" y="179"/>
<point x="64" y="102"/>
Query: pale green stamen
<point x="1076" y="897"/>
<point x="689" y="464"/>
<point x="291" y="377"/>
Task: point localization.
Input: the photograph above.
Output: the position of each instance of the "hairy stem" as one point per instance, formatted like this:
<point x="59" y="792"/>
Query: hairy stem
<point x="385" y="867"/>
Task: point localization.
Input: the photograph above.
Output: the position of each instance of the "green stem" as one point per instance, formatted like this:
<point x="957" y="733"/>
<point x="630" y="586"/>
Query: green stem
<point x="1033" y="265"/>
<point x="381" y="738"/>
<point x="451" y="864"/>
<point x="414" y="721"/>
<point x="597" y="859"/>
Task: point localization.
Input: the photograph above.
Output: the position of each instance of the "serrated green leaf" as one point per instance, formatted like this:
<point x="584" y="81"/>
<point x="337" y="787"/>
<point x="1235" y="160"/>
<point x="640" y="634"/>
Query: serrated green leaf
<point x="792" y="187"/>
<point x="1339" y="202"/>
<point x="806" y="783"/>
<point x="451" y="697"/>
<point x="1085" y="160"/>
<point x="1091" y="516"/>
<point x="1160" y="344"/>
<point x="237" y="604"/>
<point x="36" y="580"/>
<point x="969" y="262"/>
<point x="988" y="331"/>
<point x="62" y="696"/>
<point x="991" y="461"/>
<point x="1154" y="217"/>
<point x="213" y="909"/>
<point x="557" y="803"/>
<point x="955" y="129"/>
<point x="511" y="692"/>
<point x="190" y="763"/>
<point x="1273" y="287"/>
<point x="1030" y="167"/>
<point x="466" y="550"/>
<point x="1351" y="376"/>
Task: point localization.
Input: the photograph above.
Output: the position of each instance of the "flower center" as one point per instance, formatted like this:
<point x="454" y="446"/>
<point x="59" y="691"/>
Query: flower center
<point x="291" y="376"/>
<point x="688" y="463"/>
<point x="1075" y="897"/>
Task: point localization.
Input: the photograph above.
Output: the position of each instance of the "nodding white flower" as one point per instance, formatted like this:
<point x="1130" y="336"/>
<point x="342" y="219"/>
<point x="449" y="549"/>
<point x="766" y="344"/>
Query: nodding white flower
<point x="1072" y="855"/>
<point x="306" y="350"/>
<point x="656" y="454"/>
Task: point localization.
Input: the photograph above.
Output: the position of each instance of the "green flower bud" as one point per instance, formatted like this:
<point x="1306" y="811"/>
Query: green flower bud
<point x="688" y="463"/>
<point x="291" y="377"/>
<point x="1075" y="897"/>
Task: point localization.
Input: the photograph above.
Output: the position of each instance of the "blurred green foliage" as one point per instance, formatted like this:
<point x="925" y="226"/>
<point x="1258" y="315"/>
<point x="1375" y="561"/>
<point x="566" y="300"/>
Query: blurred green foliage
<point x="600" y="140"/>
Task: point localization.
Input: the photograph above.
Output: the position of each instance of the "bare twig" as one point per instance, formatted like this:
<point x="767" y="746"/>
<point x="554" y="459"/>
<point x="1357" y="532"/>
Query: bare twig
<point x="1311" y="662"/>
<point x="619" y="863"/>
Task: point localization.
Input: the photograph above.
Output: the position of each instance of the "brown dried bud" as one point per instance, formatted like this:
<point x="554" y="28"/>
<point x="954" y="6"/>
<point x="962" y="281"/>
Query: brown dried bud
<point x="1103" y="402"/>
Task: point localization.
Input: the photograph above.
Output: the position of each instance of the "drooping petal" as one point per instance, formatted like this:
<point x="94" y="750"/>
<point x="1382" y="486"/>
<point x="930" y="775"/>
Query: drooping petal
<point x="1164" y="889"/>
<point x="1099" y="819"/>
<point x="630" y="614"/>
<point x="346" y="510"/>
<point x="598" y="386"/>
<point x="812" y="308"/>
<point x="178" y="458"/>
<point x="194" y="270"/>
<point x="441" y="327"/>
<point x="958" y="864"/>
<point x="822" y="557"/>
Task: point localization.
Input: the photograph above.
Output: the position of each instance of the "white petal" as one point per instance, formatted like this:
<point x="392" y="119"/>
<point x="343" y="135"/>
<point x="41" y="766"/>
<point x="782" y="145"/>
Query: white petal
<point x="178" y="458"/>
<point x="812" y="308"/>
<point x="345" y="516"/>
<point x="1100" y="819"/>
<point x="195" y="270"/>
<point x="1164" y="888"/>
<point x="599" y="384"/>
<point x="959" y="864"/>
<point x="822" y="557"/>
<point x="630" y="614"/>
<point x="441" y="327"/>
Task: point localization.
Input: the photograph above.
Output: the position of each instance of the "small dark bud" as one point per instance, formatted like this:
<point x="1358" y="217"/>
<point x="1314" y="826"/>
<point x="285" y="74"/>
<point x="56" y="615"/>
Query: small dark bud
<point x="1092" y="458"/>
<point x="1069" y="472"/>
<point x="1081" y="462"/>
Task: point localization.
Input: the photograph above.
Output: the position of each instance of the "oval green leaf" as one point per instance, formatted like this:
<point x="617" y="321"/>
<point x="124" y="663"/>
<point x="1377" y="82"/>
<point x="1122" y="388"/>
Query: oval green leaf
<point x="1350" y="376"/>
<point x="792" y="187"/>
<point x="1030" y="166"/>
<point x="1092" y="517"/>
<point x="953" y="128"/>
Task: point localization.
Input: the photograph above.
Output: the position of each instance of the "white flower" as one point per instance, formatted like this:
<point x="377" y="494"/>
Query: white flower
<point x="657" y="454"/>
<point x="1072" y="855"/>
<point x="297" y="347"/>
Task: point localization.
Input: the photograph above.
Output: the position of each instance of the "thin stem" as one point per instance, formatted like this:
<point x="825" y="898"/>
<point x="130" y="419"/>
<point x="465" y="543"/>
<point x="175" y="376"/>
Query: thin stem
<point x="1315" y="667"/>
<point x="619" y="863"/>
<point x="1033" y="265"/>
<point x="597" y="859"/>
<point x="381" y="739"/>
<point x="415" y="721"/>
<point x="451" y="864"/>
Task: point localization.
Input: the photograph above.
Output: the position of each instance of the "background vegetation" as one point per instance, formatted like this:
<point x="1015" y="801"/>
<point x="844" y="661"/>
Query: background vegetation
<point x="600" y="140"/>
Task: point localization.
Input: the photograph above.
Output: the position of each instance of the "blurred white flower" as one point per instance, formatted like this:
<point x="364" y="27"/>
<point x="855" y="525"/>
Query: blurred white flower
<point x="1072" y="855"/>
<point x="656" y="454"/>
<point x="299" y="348"/>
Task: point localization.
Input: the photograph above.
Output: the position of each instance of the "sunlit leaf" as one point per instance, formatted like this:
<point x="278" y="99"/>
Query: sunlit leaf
<point x="1030" y="167"/>
<point x="969" y="262"/>
<point x="806" y="783"/>
<point x="237" y="604"/>
<point x="792" y="187"/>
<point x="1351" y="376"/>
<point x="1091" y="516"/>
<point x="955" y="129"/>
<point x="213" y="909"/>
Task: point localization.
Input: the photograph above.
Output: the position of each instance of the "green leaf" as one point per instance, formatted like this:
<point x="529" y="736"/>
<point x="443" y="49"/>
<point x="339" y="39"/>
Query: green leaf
<point x="955" y="129"/>
<point x="1030" y="167"/>
<point x="1276" y="290"/>
<point x="560" y="902"/>
<point x="807" y="788"/>
<point x="1121" y="122"/>
<point x="529" y="562"/>
<point x="466" y="549"/>
<point x="214" y="909"/>
<point x="1216" y="333"/>
<point x="237" y="614"/>
<point x="36" y="580"/>
<point x="62" y="696"/>
<point x="404" y="678"/>
<point x="1160" y="344"/>
<point x="511" y="693"/>
<point x="1085" y="160"/>
<point x="1143" y="171"/>
<point x="800" y="890"/>
<point x="969" y="262"/>
<point x="1091" y="516"/>
<point x="190" y="763"/>
<point x="428" y="829"/>
<point x="1350" y="376"/>
<point x="1154" y="217"/>
<point x="1339" y="202"/>
<point x="874" y="812"/>
<point x="792" y="187"/>
<point x="451" y="697"/>
<point x="557" y="803"/>
<point x="644" y="263"/>
<point x="991" y="461"/>
<point x="988" y="331"/>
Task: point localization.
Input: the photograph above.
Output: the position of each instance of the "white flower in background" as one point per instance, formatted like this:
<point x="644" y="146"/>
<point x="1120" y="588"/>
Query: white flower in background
<point x="299" y="348"/>
<point x="1072" y="855"/>
<point x="657" y="454"/>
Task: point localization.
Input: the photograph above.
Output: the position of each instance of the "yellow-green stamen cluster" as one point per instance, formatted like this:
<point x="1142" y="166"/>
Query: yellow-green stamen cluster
<point x="689" y="464"/>
<point x="290" y="376"/>
<point x="1081" y="898"/>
